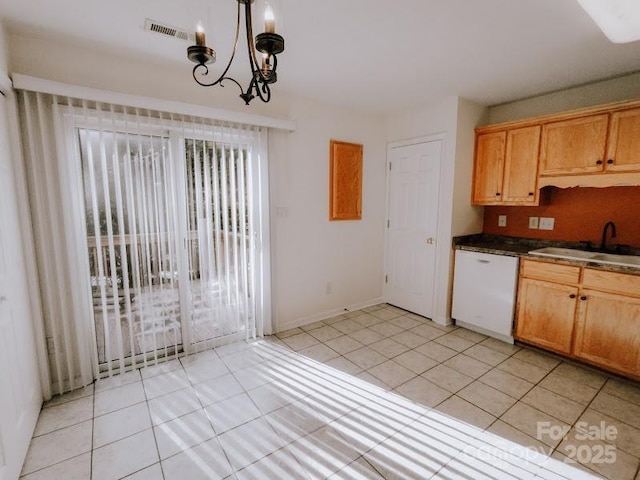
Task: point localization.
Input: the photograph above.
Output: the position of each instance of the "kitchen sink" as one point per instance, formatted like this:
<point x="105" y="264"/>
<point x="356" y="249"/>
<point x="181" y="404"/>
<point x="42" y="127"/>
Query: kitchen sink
<point x="597" y="257"/>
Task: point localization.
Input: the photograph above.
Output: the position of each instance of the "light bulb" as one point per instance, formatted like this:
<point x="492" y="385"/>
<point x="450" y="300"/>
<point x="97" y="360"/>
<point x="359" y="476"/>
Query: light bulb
<point x="200" y="41"/>
<point x="269" y="20"/>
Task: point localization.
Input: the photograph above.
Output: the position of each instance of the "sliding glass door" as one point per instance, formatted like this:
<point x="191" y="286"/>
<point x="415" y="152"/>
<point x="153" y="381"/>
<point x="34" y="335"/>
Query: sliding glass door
<point x="219" y="242"/>
<point x="170" y="234"/>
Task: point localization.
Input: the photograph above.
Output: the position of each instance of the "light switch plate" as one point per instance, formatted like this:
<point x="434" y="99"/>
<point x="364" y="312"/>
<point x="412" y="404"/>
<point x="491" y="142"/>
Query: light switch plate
<point x="533" y="222"/>
<point x="547" y="223"/>
<point x="502" y="220"/>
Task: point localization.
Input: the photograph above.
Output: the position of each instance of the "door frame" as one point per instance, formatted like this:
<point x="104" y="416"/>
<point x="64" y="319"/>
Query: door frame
<point x="442" y="239"/>
<point x="35" y="378"/>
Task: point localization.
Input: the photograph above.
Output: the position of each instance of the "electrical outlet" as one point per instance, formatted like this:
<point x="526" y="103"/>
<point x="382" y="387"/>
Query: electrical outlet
<point x="547" y="223"/>
<point x="502" y="220"/>
<point x="329" y="288"/>
<point x="282" y="212"/>
<point x="533" y="222"/>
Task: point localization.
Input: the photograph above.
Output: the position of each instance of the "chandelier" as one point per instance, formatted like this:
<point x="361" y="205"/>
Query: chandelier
<point x="263" y="73"/>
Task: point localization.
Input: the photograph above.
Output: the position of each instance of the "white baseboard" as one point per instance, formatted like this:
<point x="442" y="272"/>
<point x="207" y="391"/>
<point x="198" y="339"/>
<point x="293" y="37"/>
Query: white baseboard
<point x="300" y="322"/>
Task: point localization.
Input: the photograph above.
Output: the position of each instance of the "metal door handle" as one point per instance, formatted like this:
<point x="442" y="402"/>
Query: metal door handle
<point x="431" y="240"/>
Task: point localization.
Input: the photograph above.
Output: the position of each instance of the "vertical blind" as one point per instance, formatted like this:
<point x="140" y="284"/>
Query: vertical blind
<point x="149" y="232"/>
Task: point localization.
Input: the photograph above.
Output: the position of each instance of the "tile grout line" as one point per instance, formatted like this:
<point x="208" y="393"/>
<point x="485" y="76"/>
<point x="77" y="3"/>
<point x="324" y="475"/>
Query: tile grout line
<point x="206" y="414"/>
<point x="153" y="432"/>
<point x="360" y="400"/>
<point x="93" y="422"/>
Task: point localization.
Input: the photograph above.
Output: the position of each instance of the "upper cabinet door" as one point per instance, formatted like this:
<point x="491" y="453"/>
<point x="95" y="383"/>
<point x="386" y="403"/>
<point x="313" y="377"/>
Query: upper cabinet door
<point x="489" y="164"/>
<point x="521" y="166"/>
<point x="623" y="153"/>
<point x="574" y="146"/>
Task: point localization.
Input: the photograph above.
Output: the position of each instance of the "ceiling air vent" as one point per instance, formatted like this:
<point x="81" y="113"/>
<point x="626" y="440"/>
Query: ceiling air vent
<point x="168" y="30"/>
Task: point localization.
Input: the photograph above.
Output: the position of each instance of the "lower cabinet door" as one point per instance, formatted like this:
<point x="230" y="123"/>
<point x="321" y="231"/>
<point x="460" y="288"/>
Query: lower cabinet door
<point x="546" y="314"/>
<point x="608" y="331"/>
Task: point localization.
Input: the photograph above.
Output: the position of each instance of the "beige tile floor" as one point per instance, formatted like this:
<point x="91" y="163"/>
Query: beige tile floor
<point x="377" y="393"/>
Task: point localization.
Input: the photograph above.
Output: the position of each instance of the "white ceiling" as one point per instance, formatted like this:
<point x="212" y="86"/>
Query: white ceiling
<point x="376" y="55"/>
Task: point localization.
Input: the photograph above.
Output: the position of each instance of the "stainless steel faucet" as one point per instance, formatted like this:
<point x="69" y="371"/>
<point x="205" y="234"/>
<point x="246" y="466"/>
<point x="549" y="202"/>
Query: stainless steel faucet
<point x="603" y="243"/>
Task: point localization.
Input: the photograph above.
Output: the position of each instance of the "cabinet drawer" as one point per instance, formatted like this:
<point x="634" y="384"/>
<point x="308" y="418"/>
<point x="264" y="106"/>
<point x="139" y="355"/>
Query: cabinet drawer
<point x="612" y="282"/>
<point x="551" y="272"/>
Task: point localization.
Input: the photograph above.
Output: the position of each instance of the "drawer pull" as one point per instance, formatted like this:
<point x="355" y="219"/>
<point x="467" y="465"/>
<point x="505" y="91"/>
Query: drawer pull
<point x="583" y="298"/>
<point x="573" y="295"/>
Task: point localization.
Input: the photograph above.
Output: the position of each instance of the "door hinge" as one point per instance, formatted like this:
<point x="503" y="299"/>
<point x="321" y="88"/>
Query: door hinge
<point x="388" y="223"/>
<point x="386" y="279"/>
<point x="389" y="165"/>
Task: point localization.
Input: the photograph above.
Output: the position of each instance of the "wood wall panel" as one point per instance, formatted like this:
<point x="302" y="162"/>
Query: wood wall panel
<point x="345" y="177"/>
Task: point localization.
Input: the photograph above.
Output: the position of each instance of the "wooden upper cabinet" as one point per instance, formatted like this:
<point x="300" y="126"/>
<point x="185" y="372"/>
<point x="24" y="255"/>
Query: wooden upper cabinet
<point x="607" y="331"/>
<point x="623" y="153"/>
<point x="574" y="146"/>
<point x="521" y="166"/>
<point x="506" y="167"/>
<point x="489" y="164"/>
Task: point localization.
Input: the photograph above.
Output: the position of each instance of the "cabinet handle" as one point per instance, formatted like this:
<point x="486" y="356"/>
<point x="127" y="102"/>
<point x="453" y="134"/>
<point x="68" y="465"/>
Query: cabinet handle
<point x="610" y="161"/>
<point x="497" y="194"/>
<point x="573" y="295"/>
<point x="583" y="298"/>
<point x="599" y="162"/>
<point x="531" y="194"/>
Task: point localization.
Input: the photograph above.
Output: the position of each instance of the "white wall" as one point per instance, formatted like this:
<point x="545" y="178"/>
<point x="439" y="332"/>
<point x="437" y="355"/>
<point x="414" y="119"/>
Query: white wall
<point x="21" y="392"/>
<point x="4" y="51"/>
<point x="455" y="118"/>
<point x="308" y="251"/>
<point x="82" y="65"/>
<point x="466" y="219"/>
<point x="607" y="91"/>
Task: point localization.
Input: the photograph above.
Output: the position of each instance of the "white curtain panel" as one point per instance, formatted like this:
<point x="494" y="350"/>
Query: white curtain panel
<point x="149" y="229"/>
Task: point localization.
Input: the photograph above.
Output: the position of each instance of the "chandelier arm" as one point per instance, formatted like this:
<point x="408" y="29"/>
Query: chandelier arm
<point x="262" y="74"/>
<point x="251" y="48"/>
<point x="218" y="81"/>
<point x="224" y="73"/>
<point x="266" y="89"/>
<point x="262" y="89"/>
<point x="235" y="47"/>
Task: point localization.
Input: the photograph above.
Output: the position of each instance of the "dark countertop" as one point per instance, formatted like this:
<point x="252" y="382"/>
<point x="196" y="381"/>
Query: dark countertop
<point x="520" y="247"/>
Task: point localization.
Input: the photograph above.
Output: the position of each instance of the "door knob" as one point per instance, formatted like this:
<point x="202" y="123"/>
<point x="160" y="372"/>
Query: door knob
<point x="431" y="240"/>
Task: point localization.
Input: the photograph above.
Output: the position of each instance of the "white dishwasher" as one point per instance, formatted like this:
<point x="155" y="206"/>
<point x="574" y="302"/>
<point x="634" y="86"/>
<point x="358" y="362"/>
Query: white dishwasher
<point x="484" y="291"/>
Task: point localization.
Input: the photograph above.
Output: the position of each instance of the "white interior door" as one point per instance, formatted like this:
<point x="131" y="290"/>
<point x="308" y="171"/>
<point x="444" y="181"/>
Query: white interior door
<point x="414" y="177"/>
<point x="20" y="396"/>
